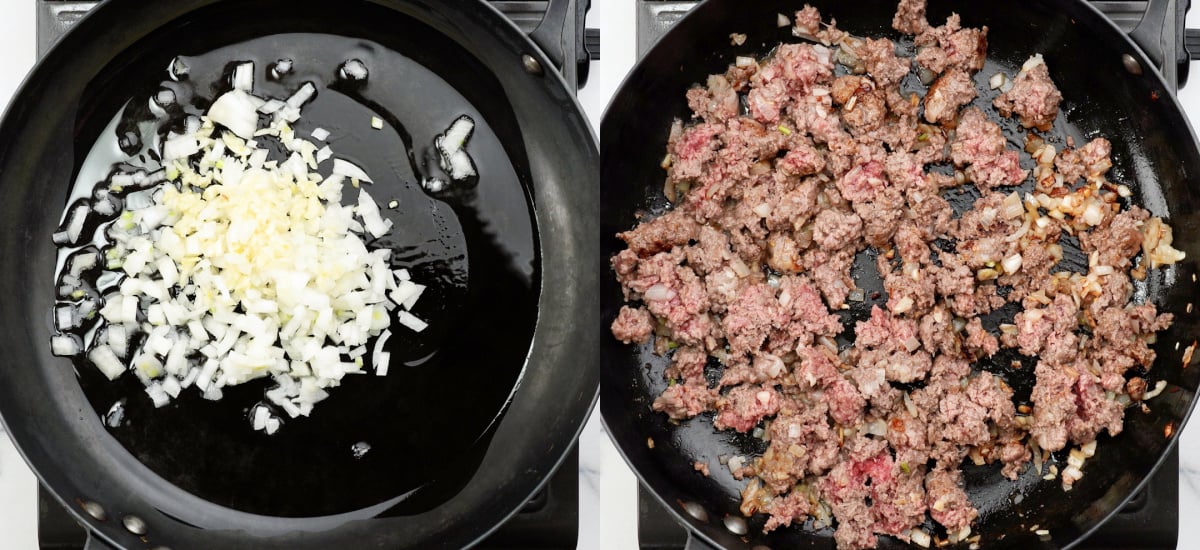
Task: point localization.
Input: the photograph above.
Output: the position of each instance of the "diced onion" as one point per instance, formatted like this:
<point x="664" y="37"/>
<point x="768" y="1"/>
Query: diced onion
<point x="298" y="99"/>
<point x="75" y="222"/>
<point x="243" y="77"/>
<point x="1033" y="61"/>
<point x="353" y="70"/>
<point x="1089" y="449"/>
<point x="411" y="321"/>
<point x="456" y="135"/>
<point x="236" y="110"/>
<point x="64" y="345"/>
<point x="369" y="211"/>
<point x="107" y="361"/>
<point x="350" y="170"/>
<point x="1158" y="388"/>
<point x="461" y="166"/>
<point x="239" y="268"/>
<point x="659" y="293"/>
<point x="1012" y="263"/>
<point x="272" y="106"/>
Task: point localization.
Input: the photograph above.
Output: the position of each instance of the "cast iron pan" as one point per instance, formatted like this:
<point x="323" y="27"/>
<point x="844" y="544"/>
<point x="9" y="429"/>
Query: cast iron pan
<point x="451" y="453"/>
<point x="1154" y="152"/>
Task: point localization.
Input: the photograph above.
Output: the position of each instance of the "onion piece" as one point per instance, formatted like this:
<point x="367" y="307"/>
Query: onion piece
<point x="456" y="136"/>
<point x="324" y="154"/>
<point x="1158" y="388"/>
<point x="103" y="357"/>
<point x="350" y="170"/>
<point x="353" y="69"/>
<point x="659" y="293"/>
<point x="379" y="358"/>
<point x="997" y="80"/>
<point x="461" y="166"/>
<point x="158" y="395"/>
<point x="411" y="321"/>
<point x="1012" y="263"/>
<point x="369" y="211"/>
<point x="65" y="345"/>
<point x="305" y="93"/>
<point x="75" y="222"/>
<point x="243" y="77"/>
<point x="66" y="317"/>
<point x="236" y="110"/>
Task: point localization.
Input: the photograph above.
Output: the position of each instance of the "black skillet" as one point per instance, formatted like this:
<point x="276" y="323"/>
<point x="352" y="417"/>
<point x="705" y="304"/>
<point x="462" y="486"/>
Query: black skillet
<point x="452" y="455"/>
<point x="1154" y="152"/>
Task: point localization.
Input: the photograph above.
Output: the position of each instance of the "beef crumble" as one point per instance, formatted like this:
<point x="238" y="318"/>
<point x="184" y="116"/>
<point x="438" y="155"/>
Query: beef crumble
<point x="771" y="208"/>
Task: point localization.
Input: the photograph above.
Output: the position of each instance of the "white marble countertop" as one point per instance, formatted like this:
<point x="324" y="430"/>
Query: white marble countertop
<point x="608" y="489"/>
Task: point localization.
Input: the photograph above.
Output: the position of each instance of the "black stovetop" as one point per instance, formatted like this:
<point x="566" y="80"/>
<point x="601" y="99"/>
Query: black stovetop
<point x="1151" y="519"/>
<point x="550" y="520"/>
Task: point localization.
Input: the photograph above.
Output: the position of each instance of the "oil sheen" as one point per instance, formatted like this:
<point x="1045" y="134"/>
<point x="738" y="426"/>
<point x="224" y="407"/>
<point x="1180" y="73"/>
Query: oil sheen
<point x="428" y="423"/>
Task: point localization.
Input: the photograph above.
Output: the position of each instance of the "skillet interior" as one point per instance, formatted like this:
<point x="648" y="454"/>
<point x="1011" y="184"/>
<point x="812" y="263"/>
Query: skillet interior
<point x="187" y="498"/>
<point x="1153" y="152"/>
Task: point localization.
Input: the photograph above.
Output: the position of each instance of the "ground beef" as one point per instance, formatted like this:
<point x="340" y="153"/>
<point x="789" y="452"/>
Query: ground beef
<point x="1121" y="333"/>
<point x="981" y="145"/>
<point x="745" y="406"/>
<point x="948" y="503"/>
<point x="879" y="56"/>
<point x="931" y="214"/>
<point x="848" y="486"/>
<point x="830" y="273"/>
<point x="949" y="92"/>
<point x="1049" y="332"/>
<point x="748" y="274"/>
<point x="694" y="148"/>
<point x="1053" y="404"/>
<point x="862" y="182"/>
<point x="950" y="45"/>
<point x="675" y="228"/>
<point x="802" y="443"/>
<point x="711" y="251"/>
<point x="751" y="317"/>
<point x="1033" y="97"/>
<point x="791" y="72"/>
<point x="1095" y="411"/>
<point x="687" y="364"/>
<point x="807" y="317"/>
<point x="682" y="401"/>
<point x="793" y="507"/>
<point x="1119" y="242"/>
<point x="835" y="230"/>
<point x="794" y="207"/>
<point x="881" y="217"/>
<point x="910" y="17"/>
<point x="633" y="325"/>
<point x="884" y="331"/>
<point x="715" y="102"/>
<point x="979" y="342"/>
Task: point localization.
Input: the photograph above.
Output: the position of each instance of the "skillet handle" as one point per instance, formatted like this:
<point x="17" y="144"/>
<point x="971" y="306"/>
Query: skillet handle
<point x="549" y="34"/>
<point x="1149" y="31"/>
